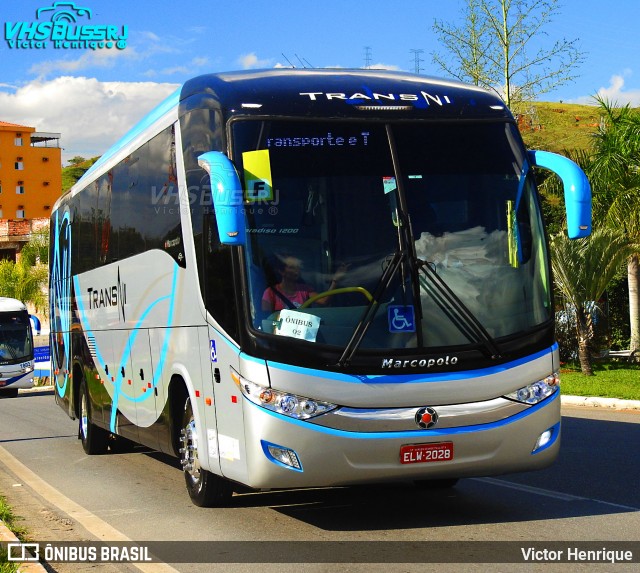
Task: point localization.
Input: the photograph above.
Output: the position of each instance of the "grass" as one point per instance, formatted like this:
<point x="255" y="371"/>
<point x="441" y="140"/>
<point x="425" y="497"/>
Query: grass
<point x="72" y="173"/>
<point x="9" y="519"/>
<point x="612" y="379"/>
<point x="557" y="126"/>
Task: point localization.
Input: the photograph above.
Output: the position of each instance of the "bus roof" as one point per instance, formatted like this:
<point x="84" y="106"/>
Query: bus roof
<point x="335" y="93"/>
<point x="329" y="93"/>
<point x="11" y="304"/>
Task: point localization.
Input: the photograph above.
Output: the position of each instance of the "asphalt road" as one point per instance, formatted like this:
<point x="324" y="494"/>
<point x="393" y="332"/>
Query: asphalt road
<point x="590" y="494"/>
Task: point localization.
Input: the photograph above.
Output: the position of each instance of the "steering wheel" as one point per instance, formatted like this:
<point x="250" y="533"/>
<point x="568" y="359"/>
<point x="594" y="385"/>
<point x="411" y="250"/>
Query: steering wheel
<point x="363" y="291"/>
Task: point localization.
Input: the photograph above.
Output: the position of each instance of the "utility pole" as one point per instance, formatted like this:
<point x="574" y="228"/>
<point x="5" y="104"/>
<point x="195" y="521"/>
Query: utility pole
<point x="417" y="59"/>
<point x="367" y="57"/>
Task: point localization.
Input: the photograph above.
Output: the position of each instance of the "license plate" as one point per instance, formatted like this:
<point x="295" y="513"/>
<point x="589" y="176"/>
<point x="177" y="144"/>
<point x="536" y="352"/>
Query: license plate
<point x="423" y="453"/>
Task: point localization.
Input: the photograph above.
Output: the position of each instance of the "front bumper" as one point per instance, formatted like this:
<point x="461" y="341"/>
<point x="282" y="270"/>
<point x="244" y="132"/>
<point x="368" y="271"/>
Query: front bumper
<point x="332" y="457"/>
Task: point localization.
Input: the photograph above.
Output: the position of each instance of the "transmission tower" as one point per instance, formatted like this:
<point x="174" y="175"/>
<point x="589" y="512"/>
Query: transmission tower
<point x="367" y="57"/>
<point x="417" y="59"/>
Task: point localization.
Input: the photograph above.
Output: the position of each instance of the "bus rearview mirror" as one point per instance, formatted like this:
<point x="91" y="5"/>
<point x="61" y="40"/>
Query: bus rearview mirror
<point x="226" y="192"/>
<point x="577" y="191"/>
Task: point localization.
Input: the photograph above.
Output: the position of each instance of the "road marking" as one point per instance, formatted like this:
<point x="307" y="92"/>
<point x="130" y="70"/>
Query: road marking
<point x="550" y="493"/>
<point x="101" y="529"/>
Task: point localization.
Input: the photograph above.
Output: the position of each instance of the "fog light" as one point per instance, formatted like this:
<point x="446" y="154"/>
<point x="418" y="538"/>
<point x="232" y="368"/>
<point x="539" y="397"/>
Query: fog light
<point x="546" y="439"/>
<point x="281" y="456"/>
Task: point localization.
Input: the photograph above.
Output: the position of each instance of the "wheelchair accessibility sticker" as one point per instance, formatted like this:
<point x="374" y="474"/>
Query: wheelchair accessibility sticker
<point x="401" y="318"/>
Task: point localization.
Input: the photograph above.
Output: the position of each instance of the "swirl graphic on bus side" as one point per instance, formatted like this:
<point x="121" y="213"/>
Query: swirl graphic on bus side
<point x="60" y="302"/>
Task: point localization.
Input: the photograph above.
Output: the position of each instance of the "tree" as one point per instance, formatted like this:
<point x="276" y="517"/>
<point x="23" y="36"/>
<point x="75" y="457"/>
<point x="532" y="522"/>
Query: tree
<point x="494" y="48"/>
<point x="75" y="160"/>
<point x="616" y="177"/>
<point x="467" y="47"/>
<point x="27" y="279"/>
<point x="582" y="270"/>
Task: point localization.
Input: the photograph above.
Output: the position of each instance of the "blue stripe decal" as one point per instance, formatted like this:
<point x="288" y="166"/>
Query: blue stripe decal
<point x="125" y="358"/>
<point x="60" y="299"/>
<point x="409" y="378"/>
<point x="412" y="434"/>
<point x="10" y="381"/>
<point x="157" y="372"/>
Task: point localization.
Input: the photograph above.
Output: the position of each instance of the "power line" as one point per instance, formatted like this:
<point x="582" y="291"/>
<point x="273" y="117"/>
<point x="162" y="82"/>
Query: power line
<point x="367" y="57"/>
<point x="417" y="59"/>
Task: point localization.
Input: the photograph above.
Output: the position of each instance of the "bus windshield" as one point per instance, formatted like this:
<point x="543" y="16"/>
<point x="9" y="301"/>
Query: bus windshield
<point x="418" y="234"/>
<point x="15" y="337"/>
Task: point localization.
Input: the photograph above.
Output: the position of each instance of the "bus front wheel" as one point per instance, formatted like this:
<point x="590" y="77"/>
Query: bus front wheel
<point x="433" y="484"/>
<point x="95" y="440"/>
<point x="205" y="488"/>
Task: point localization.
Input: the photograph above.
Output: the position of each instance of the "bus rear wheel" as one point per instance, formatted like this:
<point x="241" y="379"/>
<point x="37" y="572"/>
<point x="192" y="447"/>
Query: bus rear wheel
<point x="95" y="440"/>
<point x="205" y="489"/>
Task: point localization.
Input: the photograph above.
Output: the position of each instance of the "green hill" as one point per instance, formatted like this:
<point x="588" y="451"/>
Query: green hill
<point x="558" y="126"/>
<point x="72" y="173"/>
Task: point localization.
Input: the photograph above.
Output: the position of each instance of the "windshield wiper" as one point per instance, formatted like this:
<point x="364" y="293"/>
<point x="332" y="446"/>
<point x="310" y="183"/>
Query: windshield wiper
<point x="404" y="259"/>
<point x="367" y="318"/>
<point x="457" y="312"/>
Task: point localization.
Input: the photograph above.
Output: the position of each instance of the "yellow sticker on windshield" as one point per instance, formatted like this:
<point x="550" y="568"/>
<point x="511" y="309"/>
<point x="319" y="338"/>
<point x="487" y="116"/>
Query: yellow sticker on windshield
<point x="257" y="176"/>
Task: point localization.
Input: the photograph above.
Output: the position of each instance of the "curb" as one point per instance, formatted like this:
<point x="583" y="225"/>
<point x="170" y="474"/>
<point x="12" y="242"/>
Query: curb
<point x="7" y="536"/>
<point x="611" y="403"/>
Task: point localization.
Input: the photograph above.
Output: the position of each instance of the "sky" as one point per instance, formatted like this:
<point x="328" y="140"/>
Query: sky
<point x="92" y="96"/>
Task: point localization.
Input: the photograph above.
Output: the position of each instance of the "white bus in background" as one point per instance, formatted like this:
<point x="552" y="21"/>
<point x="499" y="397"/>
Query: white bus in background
<point x="299" y="278"/>
<point x="16" y="347"/>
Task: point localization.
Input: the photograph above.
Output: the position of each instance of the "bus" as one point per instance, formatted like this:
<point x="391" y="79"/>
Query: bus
<point x="16" y="347"/>
<point x="300" y="278"/>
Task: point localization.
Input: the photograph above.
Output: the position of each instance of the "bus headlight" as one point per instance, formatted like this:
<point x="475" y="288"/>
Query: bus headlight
<point x="536" y="392"/>
<point x="292" y="405"/>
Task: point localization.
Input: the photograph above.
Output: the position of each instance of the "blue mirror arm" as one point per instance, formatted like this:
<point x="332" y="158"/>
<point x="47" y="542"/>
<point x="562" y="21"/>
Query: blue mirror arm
<point x="577" y="190"/>
<point x="226" y="192"/>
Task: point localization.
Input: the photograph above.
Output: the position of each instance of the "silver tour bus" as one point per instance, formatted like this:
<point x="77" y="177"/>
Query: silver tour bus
<point x="296" y="278"/>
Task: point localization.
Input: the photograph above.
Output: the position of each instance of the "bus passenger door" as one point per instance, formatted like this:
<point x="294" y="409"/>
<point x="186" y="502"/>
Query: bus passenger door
<point x="228" y="412"/>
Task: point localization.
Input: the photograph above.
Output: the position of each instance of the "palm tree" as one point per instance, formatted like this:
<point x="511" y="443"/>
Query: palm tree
<point x="24" y="282"/>
<point x="582" y="270"/>
<point x="27" y="279"/>
<point x="615" y="174"/>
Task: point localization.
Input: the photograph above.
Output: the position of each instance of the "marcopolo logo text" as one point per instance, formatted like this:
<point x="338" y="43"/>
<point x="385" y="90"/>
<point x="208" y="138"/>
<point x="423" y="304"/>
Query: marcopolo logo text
<point x="420" y="363"/>
<point x="57" y="26"/>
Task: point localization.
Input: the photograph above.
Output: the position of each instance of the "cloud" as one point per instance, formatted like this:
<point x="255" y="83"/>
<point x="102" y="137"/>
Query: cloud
<point x="90" y="115"/>
<point x="381" y="66"/>
<point x="615" y="92"/>
<point x="251" y="61"/>
<point x="89" y="59"/>
<point x="190" y="69"/>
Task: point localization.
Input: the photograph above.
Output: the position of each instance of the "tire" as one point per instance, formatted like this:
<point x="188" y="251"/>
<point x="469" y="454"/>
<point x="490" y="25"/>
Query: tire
<point x="433" y="484"/>
<point x="95" y="440"/>
<point x="205" y="488"/>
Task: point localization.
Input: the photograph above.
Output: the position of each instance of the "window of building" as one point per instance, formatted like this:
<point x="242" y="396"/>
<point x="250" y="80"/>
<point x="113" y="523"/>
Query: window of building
<point x="20" y="189"/>
<point x="20" y="213"/>
<point x="18" y="141"/>
<point x="19" y="165"/>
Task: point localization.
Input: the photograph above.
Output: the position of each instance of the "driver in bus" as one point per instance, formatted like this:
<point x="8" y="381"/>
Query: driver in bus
<point x="291" y="292"/>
